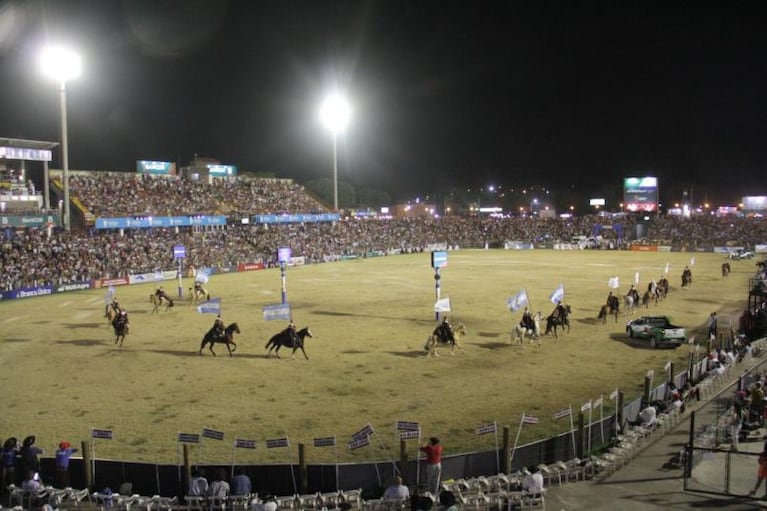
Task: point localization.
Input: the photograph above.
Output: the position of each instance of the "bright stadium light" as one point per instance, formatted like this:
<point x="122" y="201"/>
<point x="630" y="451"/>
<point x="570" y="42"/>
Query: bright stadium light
<point x="335" y="113"/>
<point x="61" y="64"/>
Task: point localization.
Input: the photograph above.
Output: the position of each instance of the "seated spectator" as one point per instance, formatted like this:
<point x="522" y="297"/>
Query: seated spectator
<point x="447" y="501"/>
<point x="31" y="482"/>
<point x="533" y="482"/>
<point x="647" y="416"/>
<point x="240" y="484"/>
<point x="198" y="486"/>
<point x="397" y="491"/>
<point x="219" y="488"/>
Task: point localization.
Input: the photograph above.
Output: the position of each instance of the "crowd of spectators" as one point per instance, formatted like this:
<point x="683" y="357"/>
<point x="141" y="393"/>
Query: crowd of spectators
<point x="121" y="194"/>
<point x="36" y="257"/>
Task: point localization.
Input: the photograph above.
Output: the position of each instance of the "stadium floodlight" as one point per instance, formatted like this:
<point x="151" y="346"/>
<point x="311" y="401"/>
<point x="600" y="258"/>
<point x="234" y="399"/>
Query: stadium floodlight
<point x="62" y="65"/>
<point x="335" y="113"/>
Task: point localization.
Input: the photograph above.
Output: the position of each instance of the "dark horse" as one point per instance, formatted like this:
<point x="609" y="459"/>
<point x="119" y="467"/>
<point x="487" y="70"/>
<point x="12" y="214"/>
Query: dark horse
<point x="288" y="339"/>
<point x="121" y="326"/>
<point x="558" y="321"/>
<point x="228" y="339"/>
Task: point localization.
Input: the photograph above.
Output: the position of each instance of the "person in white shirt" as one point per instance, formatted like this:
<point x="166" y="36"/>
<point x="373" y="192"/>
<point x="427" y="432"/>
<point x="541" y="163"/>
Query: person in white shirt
<point x="397" y="491"/>
<point x="198" y="485"/>
<point x="533" y="483"/>
<point x="219" y="488"/>
<point x="648" y="415"/>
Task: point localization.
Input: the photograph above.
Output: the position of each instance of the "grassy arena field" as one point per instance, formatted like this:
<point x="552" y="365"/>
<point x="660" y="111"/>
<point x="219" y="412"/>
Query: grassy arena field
<point x="62" y="374"/>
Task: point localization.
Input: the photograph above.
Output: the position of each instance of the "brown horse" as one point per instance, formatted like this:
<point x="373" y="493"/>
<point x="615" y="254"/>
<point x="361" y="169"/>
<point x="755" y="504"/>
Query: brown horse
<point x="160" y="299"/>
<point x="438" y="337"/>
<point x="227" y="339"/>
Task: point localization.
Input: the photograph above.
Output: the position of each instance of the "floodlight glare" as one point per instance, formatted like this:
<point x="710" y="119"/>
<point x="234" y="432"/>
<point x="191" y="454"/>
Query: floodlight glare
<point x="335" y="113"/>
<point x="62" y="65"/>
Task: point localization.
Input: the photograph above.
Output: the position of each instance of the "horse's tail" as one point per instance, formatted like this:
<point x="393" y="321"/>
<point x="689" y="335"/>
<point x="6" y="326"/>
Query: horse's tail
<point x="270" y="342"/>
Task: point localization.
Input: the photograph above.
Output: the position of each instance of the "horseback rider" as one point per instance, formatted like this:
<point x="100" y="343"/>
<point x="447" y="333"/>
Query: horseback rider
<point x="218" y="327"/>
<point x="559" y="312"/>
<point x="160" y="293"/>
<point x="527" y="320"/>
<point x="199" y="289"/>
<point x="121" y="319"/>
<point x="686" y="276"/>
<point x="612" y="302"/>
<point x="116" y="306"/>
<point x="445" y="331"/>
<point x="292" y="332"/>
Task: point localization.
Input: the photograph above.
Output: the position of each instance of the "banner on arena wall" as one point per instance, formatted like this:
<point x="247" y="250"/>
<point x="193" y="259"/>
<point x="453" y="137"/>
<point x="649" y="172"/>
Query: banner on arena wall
<point x="296" y="218"/>
<point x="73" y="286"/>
<point x="29" y="220"/>
<point x="119" y="281"/>
<point x="250" y="266"/>
<point x="27" y="292"/>
<point x="637" y="247"/>
<point x="159" y="221"/>
<point x="159" y="168"/>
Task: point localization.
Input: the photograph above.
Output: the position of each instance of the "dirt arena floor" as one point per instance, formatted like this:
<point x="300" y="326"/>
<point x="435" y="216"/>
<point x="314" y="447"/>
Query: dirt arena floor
<point x="63" y="375"/>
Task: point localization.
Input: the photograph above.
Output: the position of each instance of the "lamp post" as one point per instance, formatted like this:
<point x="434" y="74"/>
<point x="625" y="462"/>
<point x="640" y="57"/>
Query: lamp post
<point x="532" y="203"/>
<point x="61" y="65"/>
<point x="335" y="113"/>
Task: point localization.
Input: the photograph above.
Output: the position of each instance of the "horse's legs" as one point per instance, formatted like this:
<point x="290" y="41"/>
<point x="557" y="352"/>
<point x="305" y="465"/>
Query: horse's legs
<point x="202" y="345"/>
<point x="228" y="348"/>
<point x="234" y="345"/>
<point x="304" y="352"/>
<point x="211" y="348"/>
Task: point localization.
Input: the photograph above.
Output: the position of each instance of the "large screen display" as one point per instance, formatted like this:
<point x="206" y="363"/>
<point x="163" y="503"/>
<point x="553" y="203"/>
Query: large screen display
<point x="640" y="193"/>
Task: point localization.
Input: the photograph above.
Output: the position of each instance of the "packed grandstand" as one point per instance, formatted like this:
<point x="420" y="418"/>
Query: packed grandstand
<point x="32" y="257"/>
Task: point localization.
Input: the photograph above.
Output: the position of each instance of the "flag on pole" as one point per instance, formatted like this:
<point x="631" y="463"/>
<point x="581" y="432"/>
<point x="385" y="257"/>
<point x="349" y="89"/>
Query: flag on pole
<point x="586" y="406"/>
<point x="597" y="402"/>
<point x="210" y="307"/>
<point x="442" y="305"/>
<point x="558" y="294"/>
<point x="517" y="301"/>
<point x="158" y="276"/>
<point x="529" y="419"/>
<point x="203" y="275"/>
<point x="106" y="434"/>
<point x="668" y="267"/>
<point x="667" y="366"/>
<point x="364" y="432"/>
<point x="408" y="435"/>
<point x="110" y="295"/>
<point x="278" y="311"/>
<point x="613" y="282"/>
<point x="407" y="426"/>
<point x="484" y="429"/>
<point x="614" y="394"/>
<point x="692" y="261"/>
<point x="561" y="414"/>
<point x="212" y="433"/>
<point x="359" y="442"/>
<point x="327" y="441"/>
<point x="189" y="438"/>
<point x="277" y="442"/>
<point x="241" y="443"/>
<point x="636" y="278"/>
<point x="691" y="340"/>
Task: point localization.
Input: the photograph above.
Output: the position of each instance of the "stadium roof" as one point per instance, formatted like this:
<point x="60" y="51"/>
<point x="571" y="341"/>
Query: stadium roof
<point x="29" y="144"/>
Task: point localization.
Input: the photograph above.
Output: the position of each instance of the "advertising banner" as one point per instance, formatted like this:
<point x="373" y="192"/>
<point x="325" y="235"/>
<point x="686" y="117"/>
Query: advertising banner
<point x="296" y="218"/>
<point x="29" y="220"/>
<point x="159" y="221"/>
<point x="159" y="168"/>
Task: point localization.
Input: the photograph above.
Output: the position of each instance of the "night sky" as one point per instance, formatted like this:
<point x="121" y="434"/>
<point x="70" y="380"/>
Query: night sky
<point x="444" y="93"/>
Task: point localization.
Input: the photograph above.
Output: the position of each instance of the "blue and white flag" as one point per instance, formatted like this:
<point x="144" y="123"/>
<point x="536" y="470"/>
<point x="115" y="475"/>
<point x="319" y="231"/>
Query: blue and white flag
<point x="158" y="275"/>
<point x="203" y="275"/>
<point x="517" y="301"/>
<point x="442" y="305"/>
<point x="110" y="295"/>
<point x="279" y="311"/>
<point x="210" y="307"/>
<point x="212" y="433"/>
<point x="613" y="283"/>
<point x="558" y="294"/>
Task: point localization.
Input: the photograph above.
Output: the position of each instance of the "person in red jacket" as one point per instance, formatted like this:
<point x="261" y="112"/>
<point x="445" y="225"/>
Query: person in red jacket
<point x="433" y="451"/>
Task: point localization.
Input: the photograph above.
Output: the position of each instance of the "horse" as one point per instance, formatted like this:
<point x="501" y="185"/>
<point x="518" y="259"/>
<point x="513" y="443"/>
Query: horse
<point x="661" y="289"/>
<point x="519" y="332"/>
<point x="122" y="327"/>
<point x="212" y="338"/>
<point x="198" y="295"/>
<point x="159" y="300"/>
<point x="647" y="297"/>
<point x="440" y="337"/>
<point x="553" y="322"/>
<point x="110" y="312"/>
<point x="725" y="269"/>
<point x="686" y="279"/>
<point x="289" y="340"/>
<point x="630" y="304"/>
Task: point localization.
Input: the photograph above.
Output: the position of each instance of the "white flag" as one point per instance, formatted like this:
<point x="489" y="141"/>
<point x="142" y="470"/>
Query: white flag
<point x="668" y="267"/>
<point x="517" y="301"/>
<point x="613" y="282"/>
<point x="636" y="278"/>
<point x="692" y="261"/>
<point x="586" y="406"/>
<point x="667" y="366"/>
<point x="558" y="294"/>
<point x="442" y="305"/>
